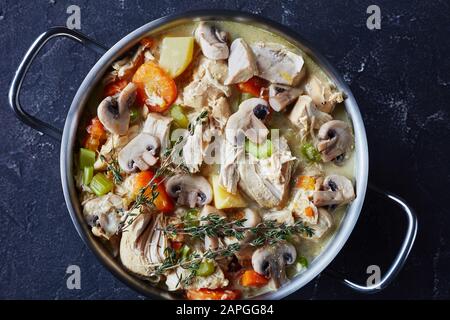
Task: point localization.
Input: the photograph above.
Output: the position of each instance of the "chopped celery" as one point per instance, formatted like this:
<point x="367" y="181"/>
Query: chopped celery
<point x="184" y="252"/>
<point x="260" y="151"/>
<point x="88" y="173"/>
<point x="134" y="114"/>
<point x="100" y="184"/>
<point x="206" y="268"/>
<point x="178" y="115"/>
<point x="87" y="158"/>
<point x="310" y="152"/>
<point x="302" y="261"/>
<point x="191" y="218"/>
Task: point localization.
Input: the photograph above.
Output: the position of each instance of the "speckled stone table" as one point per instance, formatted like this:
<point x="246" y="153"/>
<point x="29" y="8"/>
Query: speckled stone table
<point x="400" y="76"/>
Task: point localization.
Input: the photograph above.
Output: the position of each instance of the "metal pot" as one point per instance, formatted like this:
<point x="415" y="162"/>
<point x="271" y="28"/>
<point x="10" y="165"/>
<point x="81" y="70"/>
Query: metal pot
<point x="68" y="138"/>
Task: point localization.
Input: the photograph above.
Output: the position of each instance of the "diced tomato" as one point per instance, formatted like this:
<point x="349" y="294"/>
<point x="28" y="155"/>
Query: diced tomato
<point x="255" y="86"/>
<point x="163" y="201"/>
<point x="251" y="278"/>
<point x="115" y="87"/>
<point x="96" y="135"/>
<point x="176" y="245"/>
<point x="216" y="294"/>
<point x="155" y="87"/>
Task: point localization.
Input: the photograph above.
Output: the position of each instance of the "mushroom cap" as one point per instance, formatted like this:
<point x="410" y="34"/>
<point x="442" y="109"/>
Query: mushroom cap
<point x="212" y="41"/>
<point x="114" y="112"/>
<point x="245" y="121"/>
<point x="335" y="138"/>
<point x="271" y="260"/>
<point x="189" y="190"/>
<point x="338" y="190"/>
<point x="139" y="153"/>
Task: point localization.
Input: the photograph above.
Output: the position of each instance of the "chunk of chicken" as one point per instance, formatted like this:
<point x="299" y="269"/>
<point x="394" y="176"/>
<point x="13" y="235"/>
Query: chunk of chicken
<point x="159" y="127"/>
<point x="193" y="150"/>
<point x="104" y="214"/>
<point x="143" y="244"/>
<point x="277" y="64"/>
<point x="207" y="85"/>
<point x="307" y="117"/>
<point x="323" y="94"/>
<point x="267" y="180"/>
<point x="242" y="63"/>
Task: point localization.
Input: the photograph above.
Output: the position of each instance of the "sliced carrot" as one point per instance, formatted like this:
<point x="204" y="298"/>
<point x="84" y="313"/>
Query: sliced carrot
<point x="216" y="294"/>
<point x="251" y="278"/>
<point x="306" y="182"/>
<point x="147" y="42"/>
<point x="96" y="135"/>
<point x="163" y="202"/>
<point x="255" y="86"/>
<point x="309" y="212"/>
<point x="115" y="87"/>
<point x="155" y="87"/>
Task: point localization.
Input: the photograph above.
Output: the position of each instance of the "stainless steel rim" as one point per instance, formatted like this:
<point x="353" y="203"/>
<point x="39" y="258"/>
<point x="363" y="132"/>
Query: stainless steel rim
<point x="73" y="118"/>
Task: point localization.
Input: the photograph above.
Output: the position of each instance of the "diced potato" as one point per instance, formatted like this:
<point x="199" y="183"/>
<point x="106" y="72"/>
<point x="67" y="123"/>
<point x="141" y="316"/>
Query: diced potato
<point x="223" y="199"/>
<point x="176" y="54"/>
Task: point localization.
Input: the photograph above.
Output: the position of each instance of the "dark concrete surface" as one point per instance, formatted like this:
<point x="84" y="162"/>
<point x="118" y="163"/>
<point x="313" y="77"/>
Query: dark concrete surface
<point x="400" y="76"/>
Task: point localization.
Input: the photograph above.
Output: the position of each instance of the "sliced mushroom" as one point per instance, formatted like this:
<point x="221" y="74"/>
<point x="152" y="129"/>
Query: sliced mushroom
<point x="277" y="64"/>
<point x="189" y="190"/>
<point x="337" y="190"/>
<point x="139" y="153"/>
<point x="281" y="96"/>
<point x="271" y="260"/>
<point x="241" y="124"/>
<point x="242" y="63"/>
<point x="323" y="94"/>
<point x="114" y="112"/>
<point x="210" y="242"/>
<point x="212" y="41"/>
<point x="306" y="116"/>
<point x="335" y="139"/>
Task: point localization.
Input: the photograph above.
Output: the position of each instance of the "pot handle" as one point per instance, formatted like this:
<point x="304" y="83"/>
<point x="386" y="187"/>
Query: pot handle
<point x="399" y="260"/>
<point x="14" y="90"/>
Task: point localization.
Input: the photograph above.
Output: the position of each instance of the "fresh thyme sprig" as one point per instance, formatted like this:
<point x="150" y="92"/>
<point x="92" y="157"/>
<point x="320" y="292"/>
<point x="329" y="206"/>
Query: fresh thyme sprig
<point x="268" y="231"/>
<point x="113" y="167"/>
<point x="192" y="262"/>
